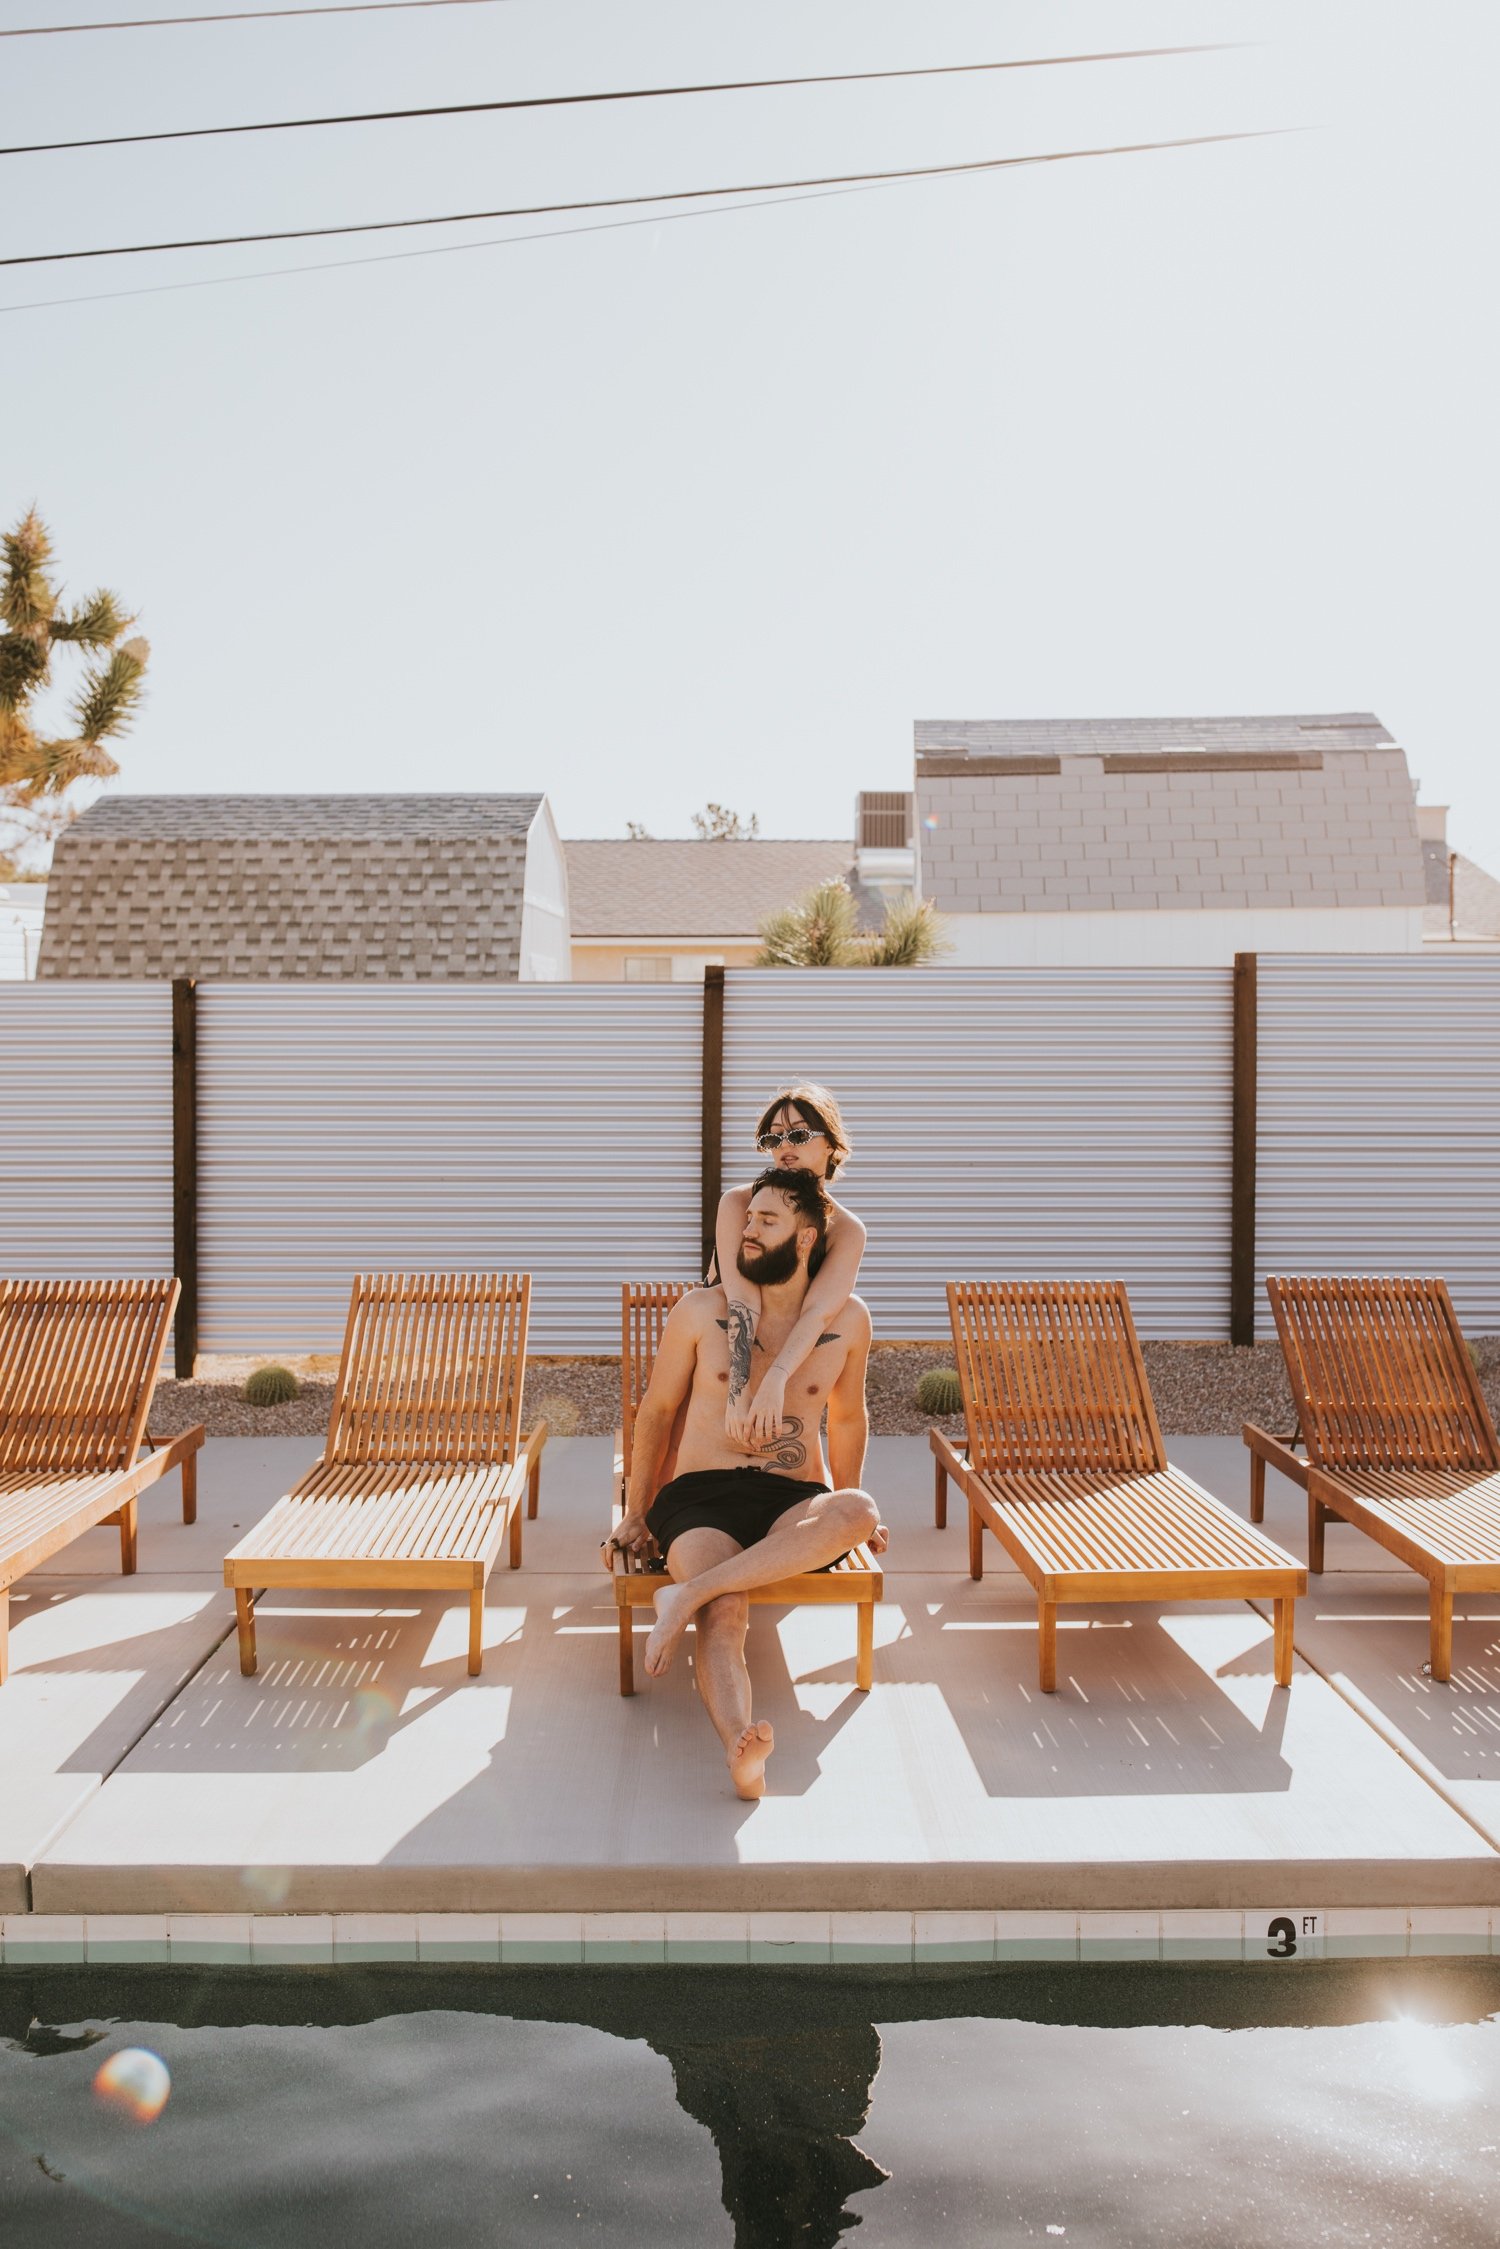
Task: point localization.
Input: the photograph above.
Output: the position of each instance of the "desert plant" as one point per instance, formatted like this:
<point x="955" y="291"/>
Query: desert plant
<point x="32" y="766"/>
<point x="939" y="1391"/>
<point x="821" y="930"/>
<point x="913" y="934"/>
<point x="272" y="1386"/>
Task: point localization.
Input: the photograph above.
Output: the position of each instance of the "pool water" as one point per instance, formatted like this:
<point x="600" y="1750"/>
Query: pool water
<point x="1097" y="2106"/>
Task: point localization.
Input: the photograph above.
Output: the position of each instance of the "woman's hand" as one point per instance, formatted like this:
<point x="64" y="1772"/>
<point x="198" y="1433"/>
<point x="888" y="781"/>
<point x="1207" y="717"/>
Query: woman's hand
<point x="764" y="1418"/>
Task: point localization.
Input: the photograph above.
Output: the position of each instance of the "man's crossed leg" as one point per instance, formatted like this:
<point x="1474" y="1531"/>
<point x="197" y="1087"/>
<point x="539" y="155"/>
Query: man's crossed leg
<point x="714" y="1580"/>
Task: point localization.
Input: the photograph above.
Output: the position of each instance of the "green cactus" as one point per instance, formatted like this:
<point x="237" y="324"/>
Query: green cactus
<point x="938" y="1391"/>
<point x="272" y="1386"/>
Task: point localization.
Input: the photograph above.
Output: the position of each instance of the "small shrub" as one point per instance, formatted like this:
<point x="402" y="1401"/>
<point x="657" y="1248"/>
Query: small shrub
<point x="272" y="1386"/>
<point x="938" y="1391"/>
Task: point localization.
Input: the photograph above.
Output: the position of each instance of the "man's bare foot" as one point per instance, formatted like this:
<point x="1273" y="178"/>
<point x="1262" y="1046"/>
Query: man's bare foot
<point x="747" y="1759"/>
<point x="673" y="1615"/>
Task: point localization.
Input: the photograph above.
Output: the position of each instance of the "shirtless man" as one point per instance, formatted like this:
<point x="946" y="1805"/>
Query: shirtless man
<point x="725" y="1524"/>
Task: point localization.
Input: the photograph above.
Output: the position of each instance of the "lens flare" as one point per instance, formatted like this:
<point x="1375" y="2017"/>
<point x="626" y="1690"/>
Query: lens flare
<point x="929" y="820"/>
<point x="136" y="2082"/>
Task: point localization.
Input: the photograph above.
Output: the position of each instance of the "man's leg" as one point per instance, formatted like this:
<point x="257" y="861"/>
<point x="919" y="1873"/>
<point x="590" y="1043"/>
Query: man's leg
<point x="719" y="1666"/>
<point x="811" y="1534"/>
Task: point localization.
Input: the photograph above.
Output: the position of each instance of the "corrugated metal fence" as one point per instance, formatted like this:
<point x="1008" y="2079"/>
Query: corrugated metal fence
<point x="1378" y="1124"/>
<point x="550" y="1129"/>
<point x="1022" y="1122"/>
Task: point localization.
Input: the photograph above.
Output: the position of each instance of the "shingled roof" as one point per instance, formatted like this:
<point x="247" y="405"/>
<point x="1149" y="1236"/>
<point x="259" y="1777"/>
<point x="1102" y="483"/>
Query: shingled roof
<point x="676" y="886"/>
<point x="360" y="887"/>
<point x="1078" y="815"/>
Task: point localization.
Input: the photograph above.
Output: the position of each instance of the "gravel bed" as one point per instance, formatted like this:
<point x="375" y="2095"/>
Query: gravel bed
<point x="1201" y="1389"/>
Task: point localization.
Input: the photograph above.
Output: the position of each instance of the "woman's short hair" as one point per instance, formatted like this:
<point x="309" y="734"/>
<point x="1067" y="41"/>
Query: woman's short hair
<point x="816" y="1106"/>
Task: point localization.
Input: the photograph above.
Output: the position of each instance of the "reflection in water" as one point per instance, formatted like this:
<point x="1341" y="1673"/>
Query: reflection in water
<point x="783" y="2111"/>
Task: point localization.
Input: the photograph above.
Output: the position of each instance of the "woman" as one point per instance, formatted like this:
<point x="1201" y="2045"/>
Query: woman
<point x="802" y="1130"/>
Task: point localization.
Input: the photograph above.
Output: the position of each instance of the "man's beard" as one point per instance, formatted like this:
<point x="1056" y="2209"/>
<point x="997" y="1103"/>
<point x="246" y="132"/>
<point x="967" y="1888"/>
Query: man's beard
<point x="769" y="1266"/>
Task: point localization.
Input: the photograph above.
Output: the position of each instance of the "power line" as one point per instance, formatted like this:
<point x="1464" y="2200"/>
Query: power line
<point x="573" y="101"/>
<point x="239" y="15"/>
<point x="445" y="249"/>
<point x="621" y="202"/>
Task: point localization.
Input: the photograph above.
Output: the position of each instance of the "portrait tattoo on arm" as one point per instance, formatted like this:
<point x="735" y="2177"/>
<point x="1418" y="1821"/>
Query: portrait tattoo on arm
<point x="740" y="1326"/>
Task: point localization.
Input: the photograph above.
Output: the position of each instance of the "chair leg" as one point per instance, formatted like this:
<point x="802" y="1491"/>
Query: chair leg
<point x="476" y="1631"/>
<point x="1441" y="1632"/>
<point x="976" y="1545"/>
<point x="627" y="1650"/>
<point x="1285" y="1611"/>
<point x="244" y="1615"/>
<point x="1317" y="1518"/>
<point x="190" y="1488"/>
<point x="1047" y="1646"/>
<point x="516" y="1520"/>
<point x="127" y="1539"/>
<point x="940" y="1495"/>
<point x="864" y="1645"/>
<point x="4" y="1634"/>
<point x="1257" y="1488"/>
<point x="534" y="1489"/>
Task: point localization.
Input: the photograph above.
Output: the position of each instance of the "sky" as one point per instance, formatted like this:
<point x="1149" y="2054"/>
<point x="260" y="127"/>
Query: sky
<point x="714" y="506"/>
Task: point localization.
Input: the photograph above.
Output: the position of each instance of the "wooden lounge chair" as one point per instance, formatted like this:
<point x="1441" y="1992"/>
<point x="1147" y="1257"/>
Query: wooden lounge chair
<point x="78" y="1367"/>
<point x="1065" y="1464"/>
<point x="1398" y="1437"/>
<point x="858" y="1578"/>
<point x="423" y="1471"/>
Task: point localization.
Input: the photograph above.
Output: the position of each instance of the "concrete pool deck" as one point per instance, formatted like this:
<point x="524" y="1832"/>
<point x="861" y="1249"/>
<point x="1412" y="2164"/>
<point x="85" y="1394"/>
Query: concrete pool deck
<point x="362" y="1772"/>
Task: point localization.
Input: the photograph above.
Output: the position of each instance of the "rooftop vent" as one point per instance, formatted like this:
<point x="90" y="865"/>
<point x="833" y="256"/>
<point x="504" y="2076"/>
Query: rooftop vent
<point x="883" y="820"/>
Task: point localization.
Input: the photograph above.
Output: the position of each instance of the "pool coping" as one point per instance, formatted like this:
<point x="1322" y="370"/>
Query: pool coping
<point x="1288" y="1932"/>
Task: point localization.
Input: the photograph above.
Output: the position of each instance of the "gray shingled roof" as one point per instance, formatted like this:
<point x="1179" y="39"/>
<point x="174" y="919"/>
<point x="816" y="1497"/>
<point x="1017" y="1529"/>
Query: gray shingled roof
<point x="357" y="887"/>
<point x="1063" y="816"/>
<point x="677" y="886"/>
<point x="1091" y="737"/>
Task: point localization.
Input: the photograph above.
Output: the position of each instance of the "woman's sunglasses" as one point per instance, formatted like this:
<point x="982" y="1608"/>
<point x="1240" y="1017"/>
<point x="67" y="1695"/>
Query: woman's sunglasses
<point x="797" y="1137"/>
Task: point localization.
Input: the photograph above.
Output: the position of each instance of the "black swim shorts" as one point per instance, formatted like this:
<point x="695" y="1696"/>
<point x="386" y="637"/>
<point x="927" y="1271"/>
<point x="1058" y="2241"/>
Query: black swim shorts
<point x="745" y="1502"/>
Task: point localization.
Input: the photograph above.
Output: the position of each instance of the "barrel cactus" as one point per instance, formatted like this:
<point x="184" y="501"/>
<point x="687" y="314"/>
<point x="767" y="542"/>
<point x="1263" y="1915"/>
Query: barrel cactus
<point x="271" y="1386"/>
<point x="938" y="1391"/>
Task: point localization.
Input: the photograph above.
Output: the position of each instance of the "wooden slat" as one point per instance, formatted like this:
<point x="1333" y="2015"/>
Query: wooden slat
<point x="79" y="1362"/>
<point x="433" y="1368"/>
<point x="1381" y="1375"/>
<point x="645" y="1307"/>
<point x="1052" y="1376"/>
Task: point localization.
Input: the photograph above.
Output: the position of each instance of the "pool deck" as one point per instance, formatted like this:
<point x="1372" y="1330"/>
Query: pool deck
<point x="364" y="1773"/>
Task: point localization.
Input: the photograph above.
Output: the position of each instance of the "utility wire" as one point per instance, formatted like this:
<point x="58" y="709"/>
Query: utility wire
<point x="574" y="101"/>
<point x="623" y="202"/>
<point x="446" y="249"/>
<point x="239" y="15"/>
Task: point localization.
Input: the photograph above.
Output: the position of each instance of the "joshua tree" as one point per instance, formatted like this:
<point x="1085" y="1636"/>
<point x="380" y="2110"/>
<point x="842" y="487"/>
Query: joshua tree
<point x="822" y="931"/>
<point x="35" y="766"/>
<point x="717" y="824"/>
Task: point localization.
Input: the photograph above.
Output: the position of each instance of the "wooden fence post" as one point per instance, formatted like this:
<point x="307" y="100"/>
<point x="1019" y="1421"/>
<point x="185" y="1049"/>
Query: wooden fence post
<point x="185" y="1172"/>
<point x="713" y="1104"/>
<point x="1242" y="1160"/>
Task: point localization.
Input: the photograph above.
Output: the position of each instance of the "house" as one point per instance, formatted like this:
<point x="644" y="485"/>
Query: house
<point x="649" y="911"/>
<point x="1463" y="902"/>
<point x="358" y="887"/>
<point x="22" y="907"/>
<point x="1187" y="840"/>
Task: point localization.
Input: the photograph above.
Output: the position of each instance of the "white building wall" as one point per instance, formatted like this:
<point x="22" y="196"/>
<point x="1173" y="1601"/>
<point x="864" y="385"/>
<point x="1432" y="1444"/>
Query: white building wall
<point x="1187" y="937"/>
<point x="546" y="925"/>
<point x="22" y="905"/>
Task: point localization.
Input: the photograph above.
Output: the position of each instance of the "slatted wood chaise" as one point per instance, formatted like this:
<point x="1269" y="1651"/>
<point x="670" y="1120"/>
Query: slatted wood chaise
<point x="858" y="1579"/>
<point x="79" y="1362"/>
<point x="1065" y="1464"/>
<point x="1398" y="1437"/>
<point x="424" y="1472"/>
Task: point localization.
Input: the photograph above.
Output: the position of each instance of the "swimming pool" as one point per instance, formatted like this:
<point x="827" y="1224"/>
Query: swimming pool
<point x="1349" y="2102"/>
